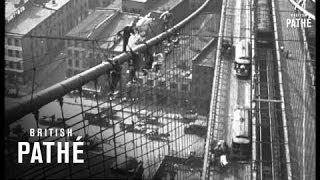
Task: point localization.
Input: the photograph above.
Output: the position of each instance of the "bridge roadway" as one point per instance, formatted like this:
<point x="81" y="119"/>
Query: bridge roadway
<point x="232" y="91"/>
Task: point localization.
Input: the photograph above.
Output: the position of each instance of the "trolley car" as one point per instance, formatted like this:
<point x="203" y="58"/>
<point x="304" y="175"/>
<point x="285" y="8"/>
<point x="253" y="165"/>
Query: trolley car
<point x="242" y="61"/>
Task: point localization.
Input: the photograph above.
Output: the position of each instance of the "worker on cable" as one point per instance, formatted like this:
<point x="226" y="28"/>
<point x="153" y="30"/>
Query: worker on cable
<point x="175" y="39"/>
<point x="148" y="61"/>
<point x="115" y="76"/>
<point x="166" y="17"/>
<point x="126" y="33"/>
<point x="159" y="60"/>
<point x="134" y="64"/>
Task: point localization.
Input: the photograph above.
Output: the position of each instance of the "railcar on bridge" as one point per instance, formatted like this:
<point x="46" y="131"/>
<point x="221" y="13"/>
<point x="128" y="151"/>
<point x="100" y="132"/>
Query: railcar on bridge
<point x="241" y="135"/>
<point x="242" y="61"/>
<point x="264" y="29"/>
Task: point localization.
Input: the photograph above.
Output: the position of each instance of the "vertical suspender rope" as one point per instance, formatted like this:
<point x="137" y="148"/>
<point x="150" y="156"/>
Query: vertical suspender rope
<point x="84" y="129"/>
<point x="60" y="100"/>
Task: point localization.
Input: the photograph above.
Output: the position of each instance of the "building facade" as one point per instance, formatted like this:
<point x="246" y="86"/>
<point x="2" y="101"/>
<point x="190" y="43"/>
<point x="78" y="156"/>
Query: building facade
<point x="51" y="18"/>
<point x="202" y="73"/>
<point x="179" y="8"/>
<point x="136" y="6"/>
<point x="99" y="3"/>
<point x="102" y="24"/>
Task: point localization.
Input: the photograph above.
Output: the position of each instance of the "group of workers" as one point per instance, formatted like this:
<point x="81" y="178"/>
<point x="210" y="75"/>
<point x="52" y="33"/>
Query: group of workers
<point x="220" y="151"/>
<point x="150" y="61"/>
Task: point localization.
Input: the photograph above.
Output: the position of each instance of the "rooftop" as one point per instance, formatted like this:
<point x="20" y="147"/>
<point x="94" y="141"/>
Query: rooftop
<point x="142" y="1"/>
<point x="88" y="26"/>
<point x="111" y="21"/>
<point x="164" y="5"/>
<point x="207" y="61"/>
<point x="32" y="16"/>
<point x="10" y="9"/>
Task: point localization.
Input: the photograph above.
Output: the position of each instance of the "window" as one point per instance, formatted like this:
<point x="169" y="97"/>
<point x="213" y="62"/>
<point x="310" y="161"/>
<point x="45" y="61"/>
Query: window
<point x="11" y="64"/>
<point x="98" y="56"/>
<point x="18" y="65"/>
<point x="10" y="53"/>
<point x="90" y="55"/>
<point x="69" y="62"/>
<point x="84" y="65"/>
<point x="18" y="54"/>
<point x="77" y="63"/>
<point x="69" y="73"/>
<point x="69" y="43"/>
<point x="84" y="54"/>
<point x="17" y="42"/>
<point x="76" y="53"/>
<point x="69" y="52"/>
<point x="9" y="41"/>
<point x="76" y="43"/>
<point x="7" y="63"/>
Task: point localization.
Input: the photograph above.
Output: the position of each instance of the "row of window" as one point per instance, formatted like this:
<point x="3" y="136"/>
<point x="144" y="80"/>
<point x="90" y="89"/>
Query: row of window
<point x="76" y="63"/>
<point x="70" y="63"/>
<point x="14" y="65"/>
<point x="71" y="72"/>
<point x="13" y="42"/>
<point x="173" y="85"/>
<point x="83" y="54"/>
<point x="132" y="10"/>
<point x="14" y="53"/>
<point x="72" y="43"/>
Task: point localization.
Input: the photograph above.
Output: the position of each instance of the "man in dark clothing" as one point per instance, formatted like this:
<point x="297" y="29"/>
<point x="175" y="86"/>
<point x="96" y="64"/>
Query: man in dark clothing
<point x="126" y="33"/>
<point x="166" y="17"/>
<point x="134" y="64"/>
<point x="115" y="75"/>
<point x="148" y="61"/>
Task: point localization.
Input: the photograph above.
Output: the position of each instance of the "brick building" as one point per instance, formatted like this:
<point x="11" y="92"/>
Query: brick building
<point x="202" y="74"/>
<point x="50" y="18"/>
<point x="180" y="8"/>
<point x="101" y="25"/>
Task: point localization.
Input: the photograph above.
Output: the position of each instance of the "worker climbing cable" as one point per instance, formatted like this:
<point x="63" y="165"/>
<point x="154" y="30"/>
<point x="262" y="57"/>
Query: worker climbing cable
<point x="115" y="76"/>
<point x="148" y="61"/>
<point x="126" y="33"/>
<point x="134" y="65"/>
<point x="166" y="18"/>
<point x="157" y="63"/>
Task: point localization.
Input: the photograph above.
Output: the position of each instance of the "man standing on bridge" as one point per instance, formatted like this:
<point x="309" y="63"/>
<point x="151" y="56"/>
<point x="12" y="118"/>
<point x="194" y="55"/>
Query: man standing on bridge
<point x="126" y="33"/>
<point x="166" y="17"/>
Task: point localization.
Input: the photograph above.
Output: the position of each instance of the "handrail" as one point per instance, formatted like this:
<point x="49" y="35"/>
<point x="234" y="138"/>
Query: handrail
<point x="214" y="96"/>
<point x="295" y="4"/>
<point x="283" y="108"/>
<point x="26" y="105"/>
<point x="253" y="93"/>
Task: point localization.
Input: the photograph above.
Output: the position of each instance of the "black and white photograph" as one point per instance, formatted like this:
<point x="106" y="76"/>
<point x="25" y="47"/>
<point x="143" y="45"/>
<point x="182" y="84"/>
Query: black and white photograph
<point x="160" y="89"/>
